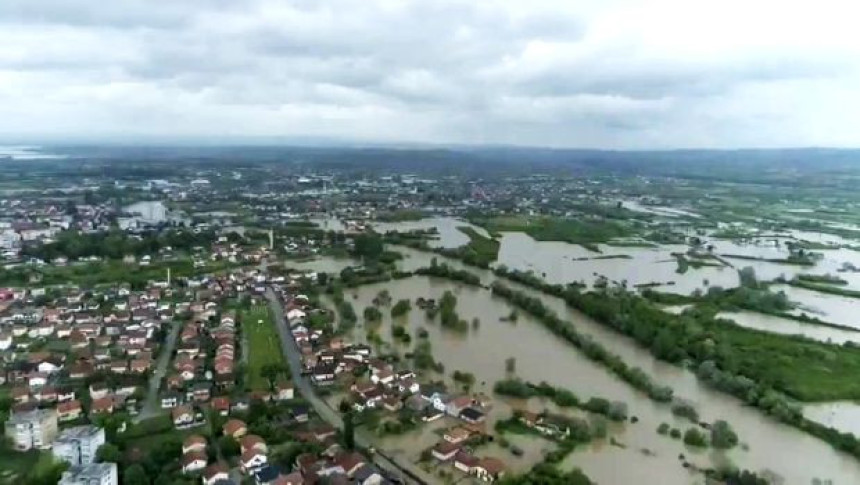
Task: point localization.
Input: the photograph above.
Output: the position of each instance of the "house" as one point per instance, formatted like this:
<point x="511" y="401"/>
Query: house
<point x="284" y="391"/>
<point x="409" y="385"/>
<point x="193" y="462"/>
<point x="80" y="370"/>
<point x="454" y="406"/>
<point x="323" y="373"/>
<point x="182" y="416"/>
<point x="201" y="391"/>
<point x="214" y="473"/>
<point x="64" y="395"/>
<point x="45" y="394"/>
<point x="253" y="442"/>
<point x="139" y="366"/>
<point x="438" y="400"/>
<point x="392" y="403"/>
<point x="384" y="377"/>
<point x="5" y="341"/>
<point x="456" y="435"/>
<point x="194" y="443"/>
<point x="69" y="411"/>
<point x="267" y="475"/>
<point x="251" y="460"/>
<point x="221" y="405"/>
<point x="465" y="462"/>
<point x="471" y="415"/>
<point x="350" y="462"/>
<point x="170" y="400"/>
<point x="98" y="390"/>
<point x="235" y="428"/>
<point x="102" y="406"/>
<point x="489" y="469"/>
<point x="445" y="451"/>
<point x="300" y="414"/>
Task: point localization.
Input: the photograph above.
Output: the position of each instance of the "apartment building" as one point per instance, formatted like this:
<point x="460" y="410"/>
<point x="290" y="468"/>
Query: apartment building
<point x="92" y="474"/>
<point x="32" y="429"/>
<point x="78" y="445"/>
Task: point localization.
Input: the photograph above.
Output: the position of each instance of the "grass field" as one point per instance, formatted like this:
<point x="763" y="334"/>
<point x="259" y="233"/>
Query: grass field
<point x="264" y="345"/>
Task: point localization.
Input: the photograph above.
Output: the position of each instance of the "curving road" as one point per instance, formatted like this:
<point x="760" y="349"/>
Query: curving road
<point x="406" y="472"/>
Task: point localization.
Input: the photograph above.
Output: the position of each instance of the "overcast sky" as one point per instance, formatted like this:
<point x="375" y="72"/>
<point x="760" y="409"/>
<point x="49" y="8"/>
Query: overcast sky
<point x="579" y="73"/>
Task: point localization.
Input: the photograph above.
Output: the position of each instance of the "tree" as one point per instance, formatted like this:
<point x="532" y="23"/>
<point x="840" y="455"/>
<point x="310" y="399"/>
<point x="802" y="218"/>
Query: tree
<point x="271" y="372"/>
<point x="348" y="431"/>
<point x="511" y="365"/>
<point x="402" y="307"/>
<point x="372" y="314"/>
<point x="108" y="453"/>
<point x="368" y="246"/>
<point x="229" y="446"/>
<point x="723" y="436"/>
<point x="135" y="475"/>
<point x="748" y="277"/>
<point x="694" y="437"/>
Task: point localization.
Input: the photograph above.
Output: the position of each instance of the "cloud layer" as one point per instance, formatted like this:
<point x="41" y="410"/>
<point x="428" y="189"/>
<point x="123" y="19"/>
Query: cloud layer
<point x="594" y="73"/>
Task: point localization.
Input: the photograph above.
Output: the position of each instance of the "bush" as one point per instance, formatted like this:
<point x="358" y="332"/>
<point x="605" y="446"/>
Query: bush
<point x="663" y="429"/>
<point x="723" y="436"/>
<point x="685" y="410"/>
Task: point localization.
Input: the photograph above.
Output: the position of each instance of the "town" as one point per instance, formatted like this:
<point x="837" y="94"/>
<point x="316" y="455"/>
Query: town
<point x="382" y="323"/>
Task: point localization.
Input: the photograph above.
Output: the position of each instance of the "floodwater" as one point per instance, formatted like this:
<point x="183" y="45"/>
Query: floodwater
<point x="560" y="262"/>
<point x="658" y="209"/>
<point x="785" y="326"/>
<point x="830" y="308"/>
<point x="446" y="227"/>
<point x="842" y="415"/>
<point x="540" y="355"/>
<point x="322" y="264"/>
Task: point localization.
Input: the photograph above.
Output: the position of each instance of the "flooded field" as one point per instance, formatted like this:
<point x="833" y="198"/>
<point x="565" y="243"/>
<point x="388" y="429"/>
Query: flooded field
<point x="448" y="234"/>
<point x="483" y="352"/>
<point x="784" y="326"/>
<point x="842" y="415"/>
<point x="831" y="308"/>
<point x="560" y="262"/>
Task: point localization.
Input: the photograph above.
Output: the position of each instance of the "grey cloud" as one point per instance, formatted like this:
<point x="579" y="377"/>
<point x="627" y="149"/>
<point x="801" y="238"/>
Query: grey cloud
<point x="443" y="71"/>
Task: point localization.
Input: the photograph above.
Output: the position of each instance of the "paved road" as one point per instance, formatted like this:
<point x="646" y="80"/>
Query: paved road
<point x="152" y="406"/>
<point x="406" y="471"/>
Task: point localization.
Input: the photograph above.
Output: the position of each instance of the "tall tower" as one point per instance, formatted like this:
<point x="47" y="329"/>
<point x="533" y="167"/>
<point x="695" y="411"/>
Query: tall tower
<point x="271" y="239"/>
<point x="168" y="276"/>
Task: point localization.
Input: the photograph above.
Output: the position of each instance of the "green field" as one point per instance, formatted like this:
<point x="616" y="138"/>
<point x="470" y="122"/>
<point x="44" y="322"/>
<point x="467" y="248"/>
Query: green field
<point x="264" y="346"/>
<point x="586" y="233"/>
<point x="29" y="467"/>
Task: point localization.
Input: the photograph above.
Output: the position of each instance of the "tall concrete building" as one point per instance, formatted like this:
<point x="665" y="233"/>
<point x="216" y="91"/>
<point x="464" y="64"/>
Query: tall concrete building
<point x="32" y="429"/>
<point x="92" y="474"/>
<point x="78" y="445"/>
